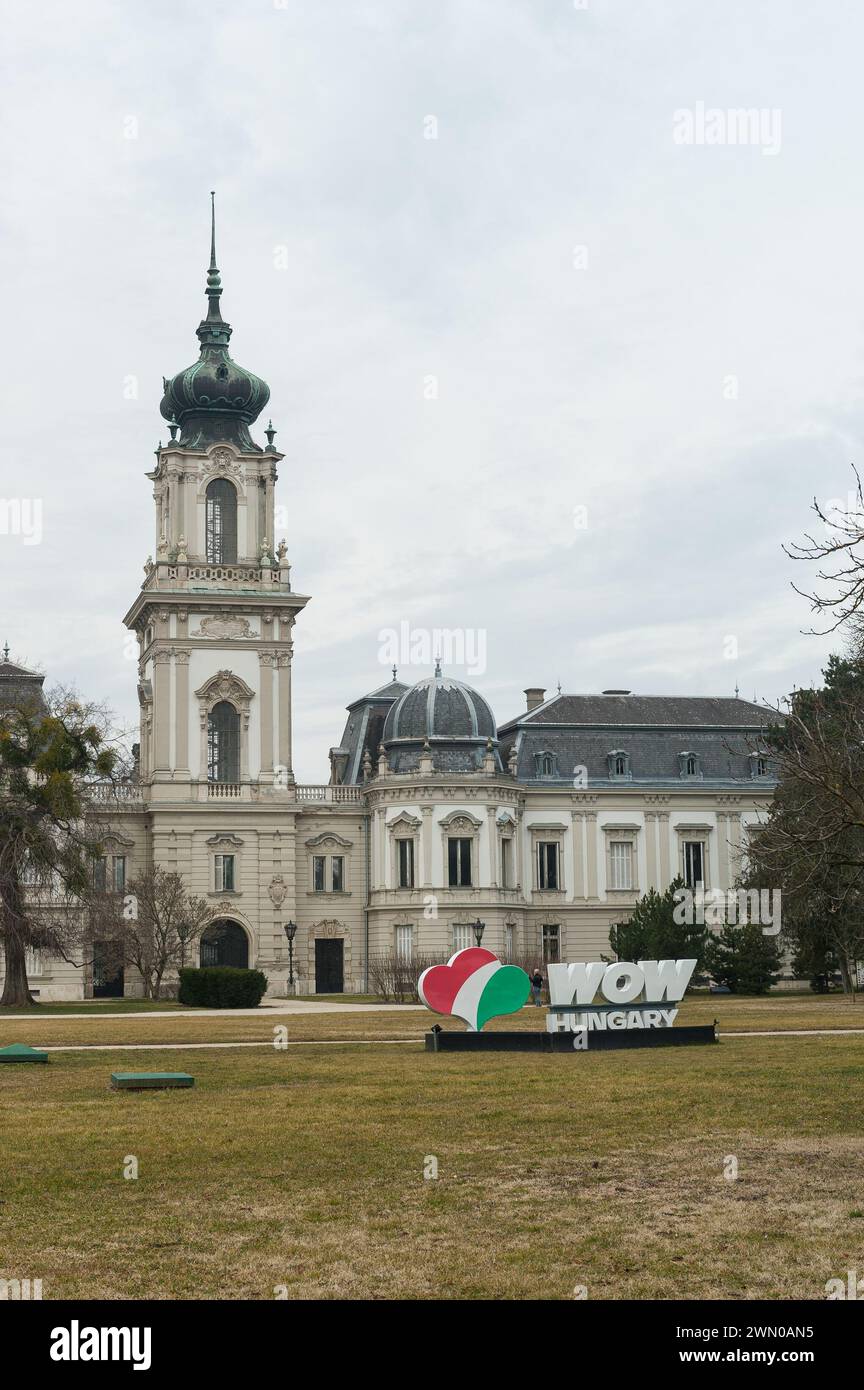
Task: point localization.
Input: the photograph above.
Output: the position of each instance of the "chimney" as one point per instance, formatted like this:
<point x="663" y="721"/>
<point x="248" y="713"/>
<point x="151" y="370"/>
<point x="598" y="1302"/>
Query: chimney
<point x="534" y="696"/>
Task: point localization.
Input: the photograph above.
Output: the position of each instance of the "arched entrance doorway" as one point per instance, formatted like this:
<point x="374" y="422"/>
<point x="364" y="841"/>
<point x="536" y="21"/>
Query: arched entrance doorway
<point x="225" y="943"/>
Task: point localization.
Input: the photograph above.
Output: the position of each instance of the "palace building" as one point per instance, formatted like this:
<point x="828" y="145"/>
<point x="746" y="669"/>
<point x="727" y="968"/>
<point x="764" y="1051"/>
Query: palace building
<point x="546" y="828"/>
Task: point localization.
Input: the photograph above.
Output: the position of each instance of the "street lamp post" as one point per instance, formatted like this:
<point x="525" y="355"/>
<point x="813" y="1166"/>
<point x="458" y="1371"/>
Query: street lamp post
<point x="290" y="929"/>
<point x="479" y="928"/>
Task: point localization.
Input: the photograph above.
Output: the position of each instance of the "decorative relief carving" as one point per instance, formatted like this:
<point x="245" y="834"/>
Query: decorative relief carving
<point x="226" y="838"/>
<point x="328" y="837"/>
<point x="328" y="929"/>
<point x="222" y="463"/>
<point x="221" y="626"/>
<point x="277" y="890"/>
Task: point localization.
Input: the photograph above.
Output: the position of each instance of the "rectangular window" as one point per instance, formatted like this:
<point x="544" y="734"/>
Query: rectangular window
<point x="463" y="937"/>
<point x="694" y="863"/>
<point x="404" y="942"/>
<point x="337" y="875"/>
<point x="406" y="863"/>
<point x="508" y="941"/>
<point x="547" y="870"/>
<point x="224" y="876"/>
<point x="119" y="873"/>
<point x="507" y="863"/>
<point x="319" y="866"/>
<point x="100" y="874"/>
<point x="551" y="945"/>
<point x="34" y="963"/>
<point x="621" y="863"/>
<point x="459" y="863"/>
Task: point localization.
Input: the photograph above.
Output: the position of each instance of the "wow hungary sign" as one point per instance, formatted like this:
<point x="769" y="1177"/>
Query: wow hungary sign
<point x="633" y="994"/>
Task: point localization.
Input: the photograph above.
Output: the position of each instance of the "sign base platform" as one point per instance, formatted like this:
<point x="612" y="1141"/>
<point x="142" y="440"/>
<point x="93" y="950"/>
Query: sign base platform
<point x="20" y="1052"/>
<point x="150" y="1080"/>
<point x="594" y="1041"/>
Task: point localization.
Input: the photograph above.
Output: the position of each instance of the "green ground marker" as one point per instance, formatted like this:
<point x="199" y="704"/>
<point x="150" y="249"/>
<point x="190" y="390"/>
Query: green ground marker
<point x="20" y="1052"/>
<point x="150" y="1080"/>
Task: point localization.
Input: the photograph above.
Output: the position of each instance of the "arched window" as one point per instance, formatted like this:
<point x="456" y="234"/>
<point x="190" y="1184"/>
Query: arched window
<point x="223" y="743"/>
<point x="620" y="765"/>
<point x="225" y="943"/>
<point x="221" y="522"/>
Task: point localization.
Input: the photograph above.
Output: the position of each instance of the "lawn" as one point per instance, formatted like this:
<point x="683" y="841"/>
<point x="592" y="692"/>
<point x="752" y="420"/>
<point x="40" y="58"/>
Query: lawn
<point x="303" y="1169"/>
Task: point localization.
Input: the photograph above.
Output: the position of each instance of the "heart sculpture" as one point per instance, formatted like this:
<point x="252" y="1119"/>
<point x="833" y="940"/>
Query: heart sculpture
<point x="474" y="986"/>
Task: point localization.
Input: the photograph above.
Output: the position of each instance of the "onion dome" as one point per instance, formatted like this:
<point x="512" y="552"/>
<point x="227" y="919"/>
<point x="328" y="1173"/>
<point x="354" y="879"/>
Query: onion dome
<point x="452" y="718"/>
<point x="214" y="399"/>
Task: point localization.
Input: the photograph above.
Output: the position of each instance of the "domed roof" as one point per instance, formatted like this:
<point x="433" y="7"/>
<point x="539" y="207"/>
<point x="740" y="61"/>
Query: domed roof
<point x="215" y="398"/>
<point x="452" y="717"/>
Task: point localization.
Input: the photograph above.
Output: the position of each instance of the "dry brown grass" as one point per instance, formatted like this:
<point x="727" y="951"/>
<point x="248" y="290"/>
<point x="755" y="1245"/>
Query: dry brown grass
<point x="304" y="1169"/>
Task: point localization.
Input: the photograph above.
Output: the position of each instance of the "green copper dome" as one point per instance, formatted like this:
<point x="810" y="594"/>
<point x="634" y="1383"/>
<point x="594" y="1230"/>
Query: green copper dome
<point x="214" y="399"/>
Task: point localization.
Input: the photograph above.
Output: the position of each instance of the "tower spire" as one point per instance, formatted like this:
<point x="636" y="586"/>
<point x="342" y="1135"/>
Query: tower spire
<point x="214" y="280"/>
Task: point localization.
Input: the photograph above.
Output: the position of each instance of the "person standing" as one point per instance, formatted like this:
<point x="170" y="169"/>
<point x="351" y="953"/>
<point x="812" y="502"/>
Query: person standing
<point x="536" y="985"/>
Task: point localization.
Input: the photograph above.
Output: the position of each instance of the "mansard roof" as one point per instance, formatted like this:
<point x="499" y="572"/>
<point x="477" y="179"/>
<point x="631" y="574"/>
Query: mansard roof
<point x="18" y="683"/>
<point x="628" y="710"/>
<point x="656" y="733"/>
<point x="365" y="728"/>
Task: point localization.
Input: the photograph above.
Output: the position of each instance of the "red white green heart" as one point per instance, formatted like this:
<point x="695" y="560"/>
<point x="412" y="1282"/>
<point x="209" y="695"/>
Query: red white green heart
<point x="474" y="986"/>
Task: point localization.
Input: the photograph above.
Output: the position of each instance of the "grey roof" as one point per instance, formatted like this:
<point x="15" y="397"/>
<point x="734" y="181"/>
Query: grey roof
<point x="18" y="684"/>
<point x="365" y="728"/>
<point x="440" y="707"/>
<point x="677" y="711"/>
<point x="453" y="718"/>
<point x="654" y="731"/>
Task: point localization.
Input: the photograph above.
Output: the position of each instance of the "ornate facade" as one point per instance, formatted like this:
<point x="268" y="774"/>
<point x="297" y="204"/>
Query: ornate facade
<point x="546" y="828"/>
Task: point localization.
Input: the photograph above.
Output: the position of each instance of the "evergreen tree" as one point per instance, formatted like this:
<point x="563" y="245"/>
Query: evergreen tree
<point x="654" y="930"/>
<point x="743" y="958"/>
<point x="49" y="836"/>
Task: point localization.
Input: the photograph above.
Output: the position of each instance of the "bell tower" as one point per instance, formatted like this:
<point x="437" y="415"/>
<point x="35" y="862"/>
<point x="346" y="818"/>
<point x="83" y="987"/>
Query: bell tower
<point x="216" y="611"/>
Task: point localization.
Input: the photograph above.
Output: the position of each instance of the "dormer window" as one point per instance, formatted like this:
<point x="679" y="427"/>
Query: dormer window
<point x="545" y="764"/>
<point x="619" y="765"/>
<point x="689" y="765"/>
<point x="759" y="765"/>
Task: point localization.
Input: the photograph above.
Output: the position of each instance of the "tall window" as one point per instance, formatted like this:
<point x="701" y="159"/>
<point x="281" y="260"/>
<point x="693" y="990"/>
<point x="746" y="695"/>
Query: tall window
<point x="330" y="880"/>
<point x="507" y="863"/>
<point x="620" y="765"/>
<point x="551" y="945"/>
<point x="694" y="863"/>
<point x="223" y="743"/>
<point x="459" y="863"/>
<point x="463" y="936"/>
<point x="221" y="522"/>
<point x="224" y="873"/>
<point x="508" y="941"/>
<point x="547" y="864"/>
<point x="621" y="860"/>
<point x="405" y="850"/>
<point x="119" y="873"/>
<point x="404" y="942"/>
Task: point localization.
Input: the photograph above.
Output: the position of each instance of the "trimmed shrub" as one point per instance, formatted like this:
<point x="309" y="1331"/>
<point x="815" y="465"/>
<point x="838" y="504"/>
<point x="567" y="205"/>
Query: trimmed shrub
<point x="221" y="987"/>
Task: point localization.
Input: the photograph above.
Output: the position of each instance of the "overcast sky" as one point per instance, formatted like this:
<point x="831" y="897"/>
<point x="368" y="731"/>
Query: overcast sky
<point x="542" y="371"/>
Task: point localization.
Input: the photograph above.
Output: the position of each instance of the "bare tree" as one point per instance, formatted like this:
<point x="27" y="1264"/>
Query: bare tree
<point x="840" y="553"/>
<point x="153" y="924"/>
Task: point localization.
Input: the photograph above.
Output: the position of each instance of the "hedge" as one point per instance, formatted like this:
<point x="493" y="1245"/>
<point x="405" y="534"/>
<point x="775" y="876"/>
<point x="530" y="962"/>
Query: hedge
<point x="221" y="987"/>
